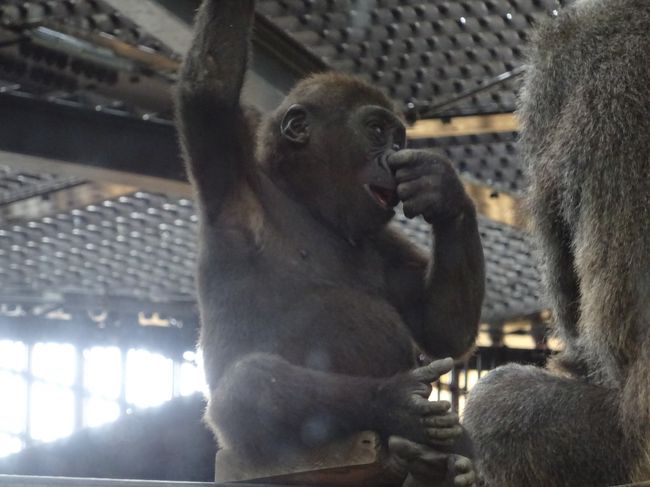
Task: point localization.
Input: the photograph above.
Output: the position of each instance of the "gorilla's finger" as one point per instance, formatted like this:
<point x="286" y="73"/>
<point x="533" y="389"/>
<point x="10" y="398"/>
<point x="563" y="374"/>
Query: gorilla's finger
<point x="463" y="471"/>
<point x="461" y="464"/>
<point x="409" y="174"/>
<point x="433" y="371"/>
<point x="409" y="210"/>
<point x="423" y="203"/>
<point x="431" y="470"/>
<point x="465" y="480"/>
<point x="445" y="433"/>
<point x="444" y="421"/>
<point x="409" y="157"/>
<point x="412" y="208"/>
<point x="408" y="189"/>
<point x="430" y="408"/>
<point x="440" y="444"/>
<point x="404" y="449"/>
<point x="417" y="171"/>
<point x="405" y="157"/>
<point x="419" y="459"/>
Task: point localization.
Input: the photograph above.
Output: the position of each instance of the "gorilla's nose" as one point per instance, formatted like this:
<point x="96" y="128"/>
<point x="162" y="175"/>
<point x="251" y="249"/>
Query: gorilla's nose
<point x="382" y="160"/>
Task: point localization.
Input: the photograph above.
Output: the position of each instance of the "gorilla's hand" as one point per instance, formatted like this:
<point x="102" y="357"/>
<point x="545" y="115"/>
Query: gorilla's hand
<point x="428" y="185"/>
<point x="427" y="467"/>
<point x="402" y="407"/>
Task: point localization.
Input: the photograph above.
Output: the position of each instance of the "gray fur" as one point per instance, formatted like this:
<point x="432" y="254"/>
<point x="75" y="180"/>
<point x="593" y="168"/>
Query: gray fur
<point x="586" y="142"/>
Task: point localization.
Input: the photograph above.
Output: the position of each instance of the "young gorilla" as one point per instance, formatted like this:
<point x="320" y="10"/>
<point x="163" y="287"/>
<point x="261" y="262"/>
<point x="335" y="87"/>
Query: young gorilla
<point x="586" y="139"/>
<point x="313" y="310"/>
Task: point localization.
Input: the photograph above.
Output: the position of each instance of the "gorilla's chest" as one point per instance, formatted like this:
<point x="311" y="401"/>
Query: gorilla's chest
<point x="323" y="307"/>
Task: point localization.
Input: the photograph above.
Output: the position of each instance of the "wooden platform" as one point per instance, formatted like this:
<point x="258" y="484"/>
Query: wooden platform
<point x="359" y="460"/>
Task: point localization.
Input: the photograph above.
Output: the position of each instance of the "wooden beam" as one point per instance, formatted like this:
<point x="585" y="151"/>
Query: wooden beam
<point x="468" y="125"/>
<point x="497" y="206"/>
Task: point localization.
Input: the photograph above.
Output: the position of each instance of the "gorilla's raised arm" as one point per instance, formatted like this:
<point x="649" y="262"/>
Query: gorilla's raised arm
<point x="214" y="133"/>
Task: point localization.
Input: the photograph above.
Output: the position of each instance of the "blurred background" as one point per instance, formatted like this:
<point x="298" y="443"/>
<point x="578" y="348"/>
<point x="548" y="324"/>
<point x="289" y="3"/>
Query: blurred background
<point x="98" y="318"/>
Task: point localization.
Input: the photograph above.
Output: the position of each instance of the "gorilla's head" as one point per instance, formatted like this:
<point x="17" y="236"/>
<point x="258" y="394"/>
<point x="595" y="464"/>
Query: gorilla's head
<point x="326" y="145"/>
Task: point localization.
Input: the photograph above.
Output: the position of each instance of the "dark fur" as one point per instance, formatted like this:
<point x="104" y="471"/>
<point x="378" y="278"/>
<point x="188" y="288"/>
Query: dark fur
<point x="313" y="309"/>
<point x="586" y="138"/>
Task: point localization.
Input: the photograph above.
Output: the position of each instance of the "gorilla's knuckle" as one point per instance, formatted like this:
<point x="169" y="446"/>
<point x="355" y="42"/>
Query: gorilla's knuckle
<point x="409" y="211"/>
<point x="404" y="189"/>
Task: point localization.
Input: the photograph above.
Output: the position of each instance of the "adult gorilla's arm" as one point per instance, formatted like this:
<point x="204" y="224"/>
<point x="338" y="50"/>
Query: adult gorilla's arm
<point x="439" y="297"/>
<point x="216" y="138"/>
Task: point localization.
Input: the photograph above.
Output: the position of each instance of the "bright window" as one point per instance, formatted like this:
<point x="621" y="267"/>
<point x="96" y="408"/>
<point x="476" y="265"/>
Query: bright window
<point x="56" y="386"/>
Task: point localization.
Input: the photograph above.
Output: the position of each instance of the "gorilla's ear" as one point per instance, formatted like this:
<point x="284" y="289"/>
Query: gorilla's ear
<point x="294" y="126"/>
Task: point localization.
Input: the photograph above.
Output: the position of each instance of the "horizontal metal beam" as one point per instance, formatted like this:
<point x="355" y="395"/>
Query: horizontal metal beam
<point x="25" y="481"/>
<point x="173" y="29"/>
<point x="122" y="331"/>
<point x="51" y="132"/>
<point x="133" y="181"/>
<point x="277" y="62"/>
<point x="45" y="137"/>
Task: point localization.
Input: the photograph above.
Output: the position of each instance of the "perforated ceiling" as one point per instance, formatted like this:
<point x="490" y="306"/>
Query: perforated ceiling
<point x="420" y="52"/>
<point x="143" y="247"/>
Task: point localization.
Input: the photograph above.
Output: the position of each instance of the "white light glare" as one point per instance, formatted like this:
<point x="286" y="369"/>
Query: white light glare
<point x="9" y="445"/>
<point x="149" y="378"/>
<point x="103" y="372"/>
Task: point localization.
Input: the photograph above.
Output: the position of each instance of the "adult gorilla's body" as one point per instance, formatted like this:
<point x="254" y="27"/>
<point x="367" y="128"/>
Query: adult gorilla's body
<point x="586" y="140"/>
<point x="313" y="310"/>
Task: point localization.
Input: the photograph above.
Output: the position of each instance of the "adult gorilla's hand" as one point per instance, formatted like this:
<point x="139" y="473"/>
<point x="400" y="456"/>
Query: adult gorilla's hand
<point x="428" y="185"/>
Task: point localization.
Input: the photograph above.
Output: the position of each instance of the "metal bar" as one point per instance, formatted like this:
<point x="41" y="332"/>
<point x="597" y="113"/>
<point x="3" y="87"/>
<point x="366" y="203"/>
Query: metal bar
<point x="39" y="190"/>
<point x="169" y="342"/>
<point x="156" y="21"/>
<point x="29" y="380"/>
<point x="268" y="39"/>
<point x="26" y="481"/>
<point x="278" y="61"/>
<point x="78" y="389"/>
<point x="100" y="140"/>
<point x="434" y="111"/>
<point x="122" y="400"/>
<point x="36" y="164"/>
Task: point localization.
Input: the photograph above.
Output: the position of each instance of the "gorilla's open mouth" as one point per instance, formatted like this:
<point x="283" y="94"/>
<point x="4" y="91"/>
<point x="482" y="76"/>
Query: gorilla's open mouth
<point x="384" y="197"/>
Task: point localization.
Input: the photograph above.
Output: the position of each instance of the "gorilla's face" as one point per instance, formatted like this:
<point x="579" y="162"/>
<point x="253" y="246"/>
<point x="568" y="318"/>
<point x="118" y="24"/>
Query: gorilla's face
<point x="383" y="134"/>
<point x="338" y="161"/>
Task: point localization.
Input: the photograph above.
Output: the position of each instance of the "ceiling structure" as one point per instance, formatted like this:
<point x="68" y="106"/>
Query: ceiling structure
<point x="84" y="96"/>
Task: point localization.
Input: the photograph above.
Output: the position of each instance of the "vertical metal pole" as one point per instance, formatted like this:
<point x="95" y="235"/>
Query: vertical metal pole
<point x="29" y="378"/>
<point x="123" y="404"/>
<point x="78" y="389"/>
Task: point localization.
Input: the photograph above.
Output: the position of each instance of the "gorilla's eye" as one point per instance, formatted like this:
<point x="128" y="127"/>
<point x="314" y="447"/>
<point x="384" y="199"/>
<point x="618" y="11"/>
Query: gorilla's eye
<point x="378" y="132"/>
